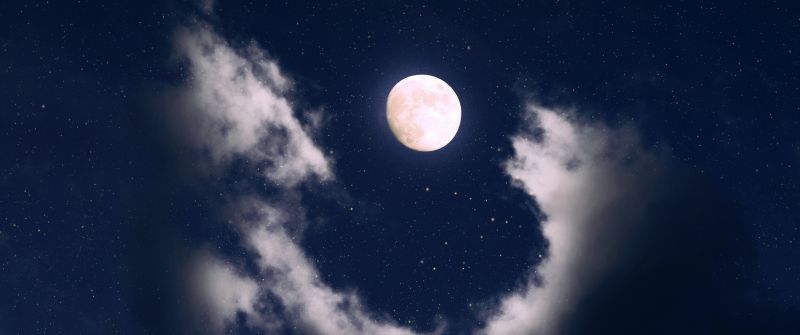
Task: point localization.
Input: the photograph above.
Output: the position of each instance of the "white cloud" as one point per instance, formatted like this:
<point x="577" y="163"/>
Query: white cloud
<point x="286" y="274"/>
<point x="296" y="283"/>
<point x="586" y="179"/>
<point x="236" y="105"/>
<point x="223" y="291"/>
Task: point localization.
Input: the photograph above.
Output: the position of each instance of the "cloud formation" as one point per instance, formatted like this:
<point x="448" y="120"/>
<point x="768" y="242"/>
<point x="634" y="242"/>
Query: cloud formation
<point x="238" y="103"/>
<point x="288" y="294"/>
<point x="225" y="292"/>
<point x="622" y="225"/>
<point x="236" y="106"/>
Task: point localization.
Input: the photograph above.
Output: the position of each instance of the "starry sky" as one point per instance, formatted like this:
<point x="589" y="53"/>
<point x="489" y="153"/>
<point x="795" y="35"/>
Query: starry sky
<point x="212" y="167"/>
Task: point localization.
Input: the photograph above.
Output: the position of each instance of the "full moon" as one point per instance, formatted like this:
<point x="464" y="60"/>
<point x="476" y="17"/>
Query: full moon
<point x="423" y="112"/>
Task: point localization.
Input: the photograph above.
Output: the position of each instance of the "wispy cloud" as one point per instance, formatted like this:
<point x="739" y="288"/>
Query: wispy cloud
<point x="224" y="292"/>
<point x="238" y="104"/>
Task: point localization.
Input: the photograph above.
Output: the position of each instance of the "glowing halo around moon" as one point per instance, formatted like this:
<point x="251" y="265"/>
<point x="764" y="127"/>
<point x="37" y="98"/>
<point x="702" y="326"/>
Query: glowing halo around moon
<point x="423" y="112"/>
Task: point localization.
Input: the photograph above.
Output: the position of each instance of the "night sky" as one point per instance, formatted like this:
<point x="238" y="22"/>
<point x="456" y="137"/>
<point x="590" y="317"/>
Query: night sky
<point x="227" y="167"/>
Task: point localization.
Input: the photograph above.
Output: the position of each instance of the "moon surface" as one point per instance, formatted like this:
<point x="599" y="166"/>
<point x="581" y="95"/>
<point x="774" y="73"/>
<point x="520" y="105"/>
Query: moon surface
<point x="423" y="112"/>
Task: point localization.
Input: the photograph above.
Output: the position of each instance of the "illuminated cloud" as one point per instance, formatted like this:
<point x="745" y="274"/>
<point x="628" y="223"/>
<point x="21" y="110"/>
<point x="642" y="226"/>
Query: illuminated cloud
<point x="223" y="292"/>
<point x="628" y="234"/>
<point x="237" y="103"/>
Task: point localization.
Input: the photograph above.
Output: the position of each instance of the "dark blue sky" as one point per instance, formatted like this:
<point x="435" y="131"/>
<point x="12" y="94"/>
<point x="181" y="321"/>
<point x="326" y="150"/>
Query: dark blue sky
<point x="97" y="211"/>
